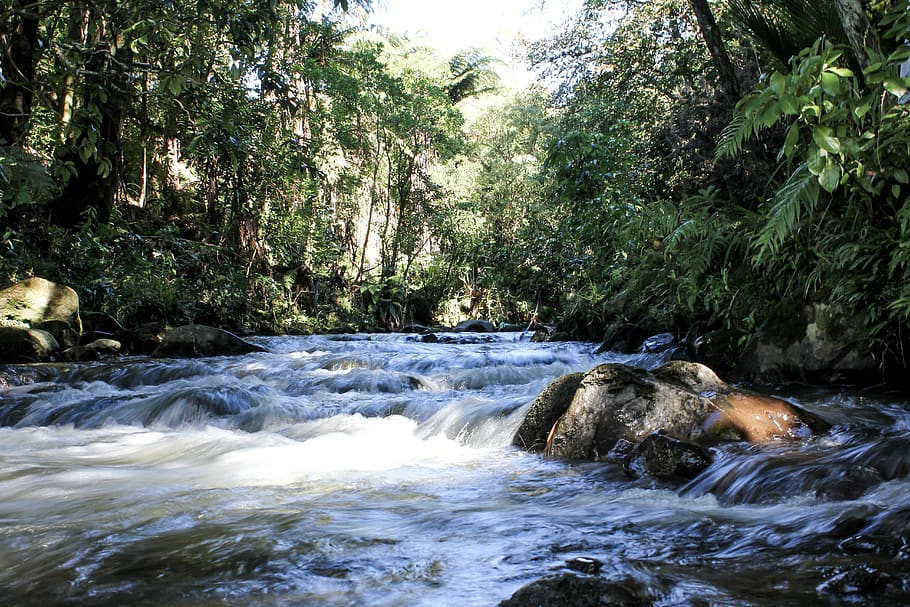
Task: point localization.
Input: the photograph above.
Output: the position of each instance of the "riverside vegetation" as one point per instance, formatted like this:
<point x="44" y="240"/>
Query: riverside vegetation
<point x="277" y="167"/>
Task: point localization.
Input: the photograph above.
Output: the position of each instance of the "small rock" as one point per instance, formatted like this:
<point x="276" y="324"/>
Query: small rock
<point x="666" y="458"/>
<point x="658" y="343"/>
<point x="859" y="580"/>
<point x="585" y="564"/>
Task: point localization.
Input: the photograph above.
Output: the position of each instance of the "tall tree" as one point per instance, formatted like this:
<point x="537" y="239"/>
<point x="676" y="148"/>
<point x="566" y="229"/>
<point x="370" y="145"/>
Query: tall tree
<point x="726" y="73"/>
<point x="858" y="29"/>
<point x="18" y="56"/>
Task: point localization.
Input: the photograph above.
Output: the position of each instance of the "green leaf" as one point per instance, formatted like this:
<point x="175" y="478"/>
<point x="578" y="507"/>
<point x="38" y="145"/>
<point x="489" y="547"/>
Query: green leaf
<point x="901" y="176"/>
<point x="810" y="110"/>
<point x="895" y="86"/>
<point x="830" y="83"/>
<point x="830" y="177"/>
<point x="791" y="140"/>
<point x="174" y="87"/>
<point x="896" y="191"/>
<point x="778" y="83"/>
<point x="771" y="115"/>
<point x="825" y="139"/>
<point x="816" y="161"/>
<point x="789" y="104"/>
<point x="862" y="109"/>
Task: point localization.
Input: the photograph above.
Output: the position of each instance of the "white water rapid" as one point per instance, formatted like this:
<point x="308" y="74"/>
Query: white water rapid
<point x="378" y="471"/>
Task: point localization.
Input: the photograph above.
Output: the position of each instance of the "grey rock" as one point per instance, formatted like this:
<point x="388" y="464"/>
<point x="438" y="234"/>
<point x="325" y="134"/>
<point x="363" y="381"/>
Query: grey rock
<point x="202" y="340"/>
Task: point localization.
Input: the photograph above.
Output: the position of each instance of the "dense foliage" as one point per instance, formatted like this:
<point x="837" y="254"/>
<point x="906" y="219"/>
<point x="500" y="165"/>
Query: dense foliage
<point x="270" y="166"/>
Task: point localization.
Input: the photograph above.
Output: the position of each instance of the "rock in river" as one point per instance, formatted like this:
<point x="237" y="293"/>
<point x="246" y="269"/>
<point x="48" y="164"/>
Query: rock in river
<point x="614" y="402"/>
<point x="201" y="340"/>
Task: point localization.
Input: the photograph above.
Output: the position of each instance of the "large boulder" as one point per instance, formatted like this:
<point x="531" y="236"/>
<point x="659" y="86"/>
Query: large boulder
<point x="616" y="404"/>
<point x="201" y="340"/>
<point x="808" y="342"/>
<point x="37" y="300"/>
<point x="545" y="411"/>
<point x="21" y="344"/>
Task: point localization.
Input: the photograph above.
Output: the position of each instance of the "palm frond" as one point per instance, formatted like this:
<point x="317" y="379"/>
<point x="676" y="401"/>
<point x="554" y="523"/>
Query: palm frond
<point x="786" y="27"/>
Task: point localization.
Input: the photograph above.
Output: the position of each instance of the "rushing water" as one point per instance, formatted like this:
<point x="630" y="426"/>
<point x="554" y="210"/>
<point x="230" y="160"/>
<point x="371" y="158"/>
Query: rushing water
<point x="376" y="470"/>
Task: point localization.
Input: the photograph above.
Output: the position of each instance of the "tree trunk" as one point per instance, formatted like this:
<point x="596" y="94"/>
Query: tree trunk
<point x="858" y="29"/>
<point x="726" y="73"/>
<point x="95" y="183"/>
<point x="18" y="56"/>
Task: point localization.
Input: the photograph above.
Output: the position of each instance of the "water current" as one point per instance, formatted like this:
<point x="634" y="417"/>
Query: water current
<point x="377" y="470"/>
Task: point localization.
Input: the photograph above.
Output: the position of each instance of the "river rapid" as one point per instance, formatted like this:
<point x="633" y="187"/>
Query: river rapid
<point x="377" y="471"/>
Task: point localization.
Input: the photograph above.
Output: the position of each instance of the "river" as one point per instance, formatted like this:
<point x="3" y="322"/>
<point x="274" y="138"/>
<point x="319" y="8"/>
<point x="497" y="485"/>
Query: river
<point x="377" y="470"/>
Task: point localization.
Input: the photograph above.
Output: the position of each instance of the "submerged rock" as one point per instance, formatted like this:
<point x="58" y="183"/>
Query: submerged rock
<point x="613" y="403"/>
<point x="202" y="340"/>
<point x="857" y="581"/>
<point x="568" y="589"/>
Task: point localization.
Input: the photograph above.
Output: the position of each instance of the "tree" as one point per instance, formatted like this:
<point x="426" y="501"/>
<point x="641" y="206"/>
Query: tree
<point x="473" y="74"/>
<point x="726" y="73"/>
<point x="857" y="29"/>
<point x="18" y="57"/>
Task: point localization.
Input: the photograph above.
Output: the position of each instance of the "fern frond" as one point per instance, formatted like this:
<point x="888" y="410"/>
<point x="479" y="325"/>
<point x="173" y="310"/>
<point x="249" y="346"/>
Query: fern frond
<point x="733" y="136"/>
<point x="796" y="198"/>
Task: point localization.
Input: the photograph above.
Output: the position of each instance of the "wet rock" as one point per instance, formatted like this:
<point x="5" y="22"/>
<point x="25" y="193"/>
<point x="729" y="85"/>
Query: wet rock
<point x="145" y="338"/>
<point x="667" y="458"/>
<point x="658" y="343"/>
<point x="857" y="581"/>
<point x="18" y="344"/>
<point x="568" y="589"/>
<point x="624" y="338"/>
<point x="201" y="340"/>
<point x="585" y="564"/>
<point x="13" y="375"/>
<point x="545" y="411"/>
<point x="37" y="300"/>
<point x="96" y="350"/>
<point x="474" y="326"/>
<point x="615" y="402"/>
<point x="65" y="335"/>
<point x="808" y="342"/>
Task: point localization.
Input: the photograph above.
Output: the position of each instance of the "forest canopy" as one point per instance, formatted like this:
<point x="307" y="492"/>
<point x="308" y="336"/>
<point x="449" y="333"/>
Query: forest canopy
<point x="278" y="166"/>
